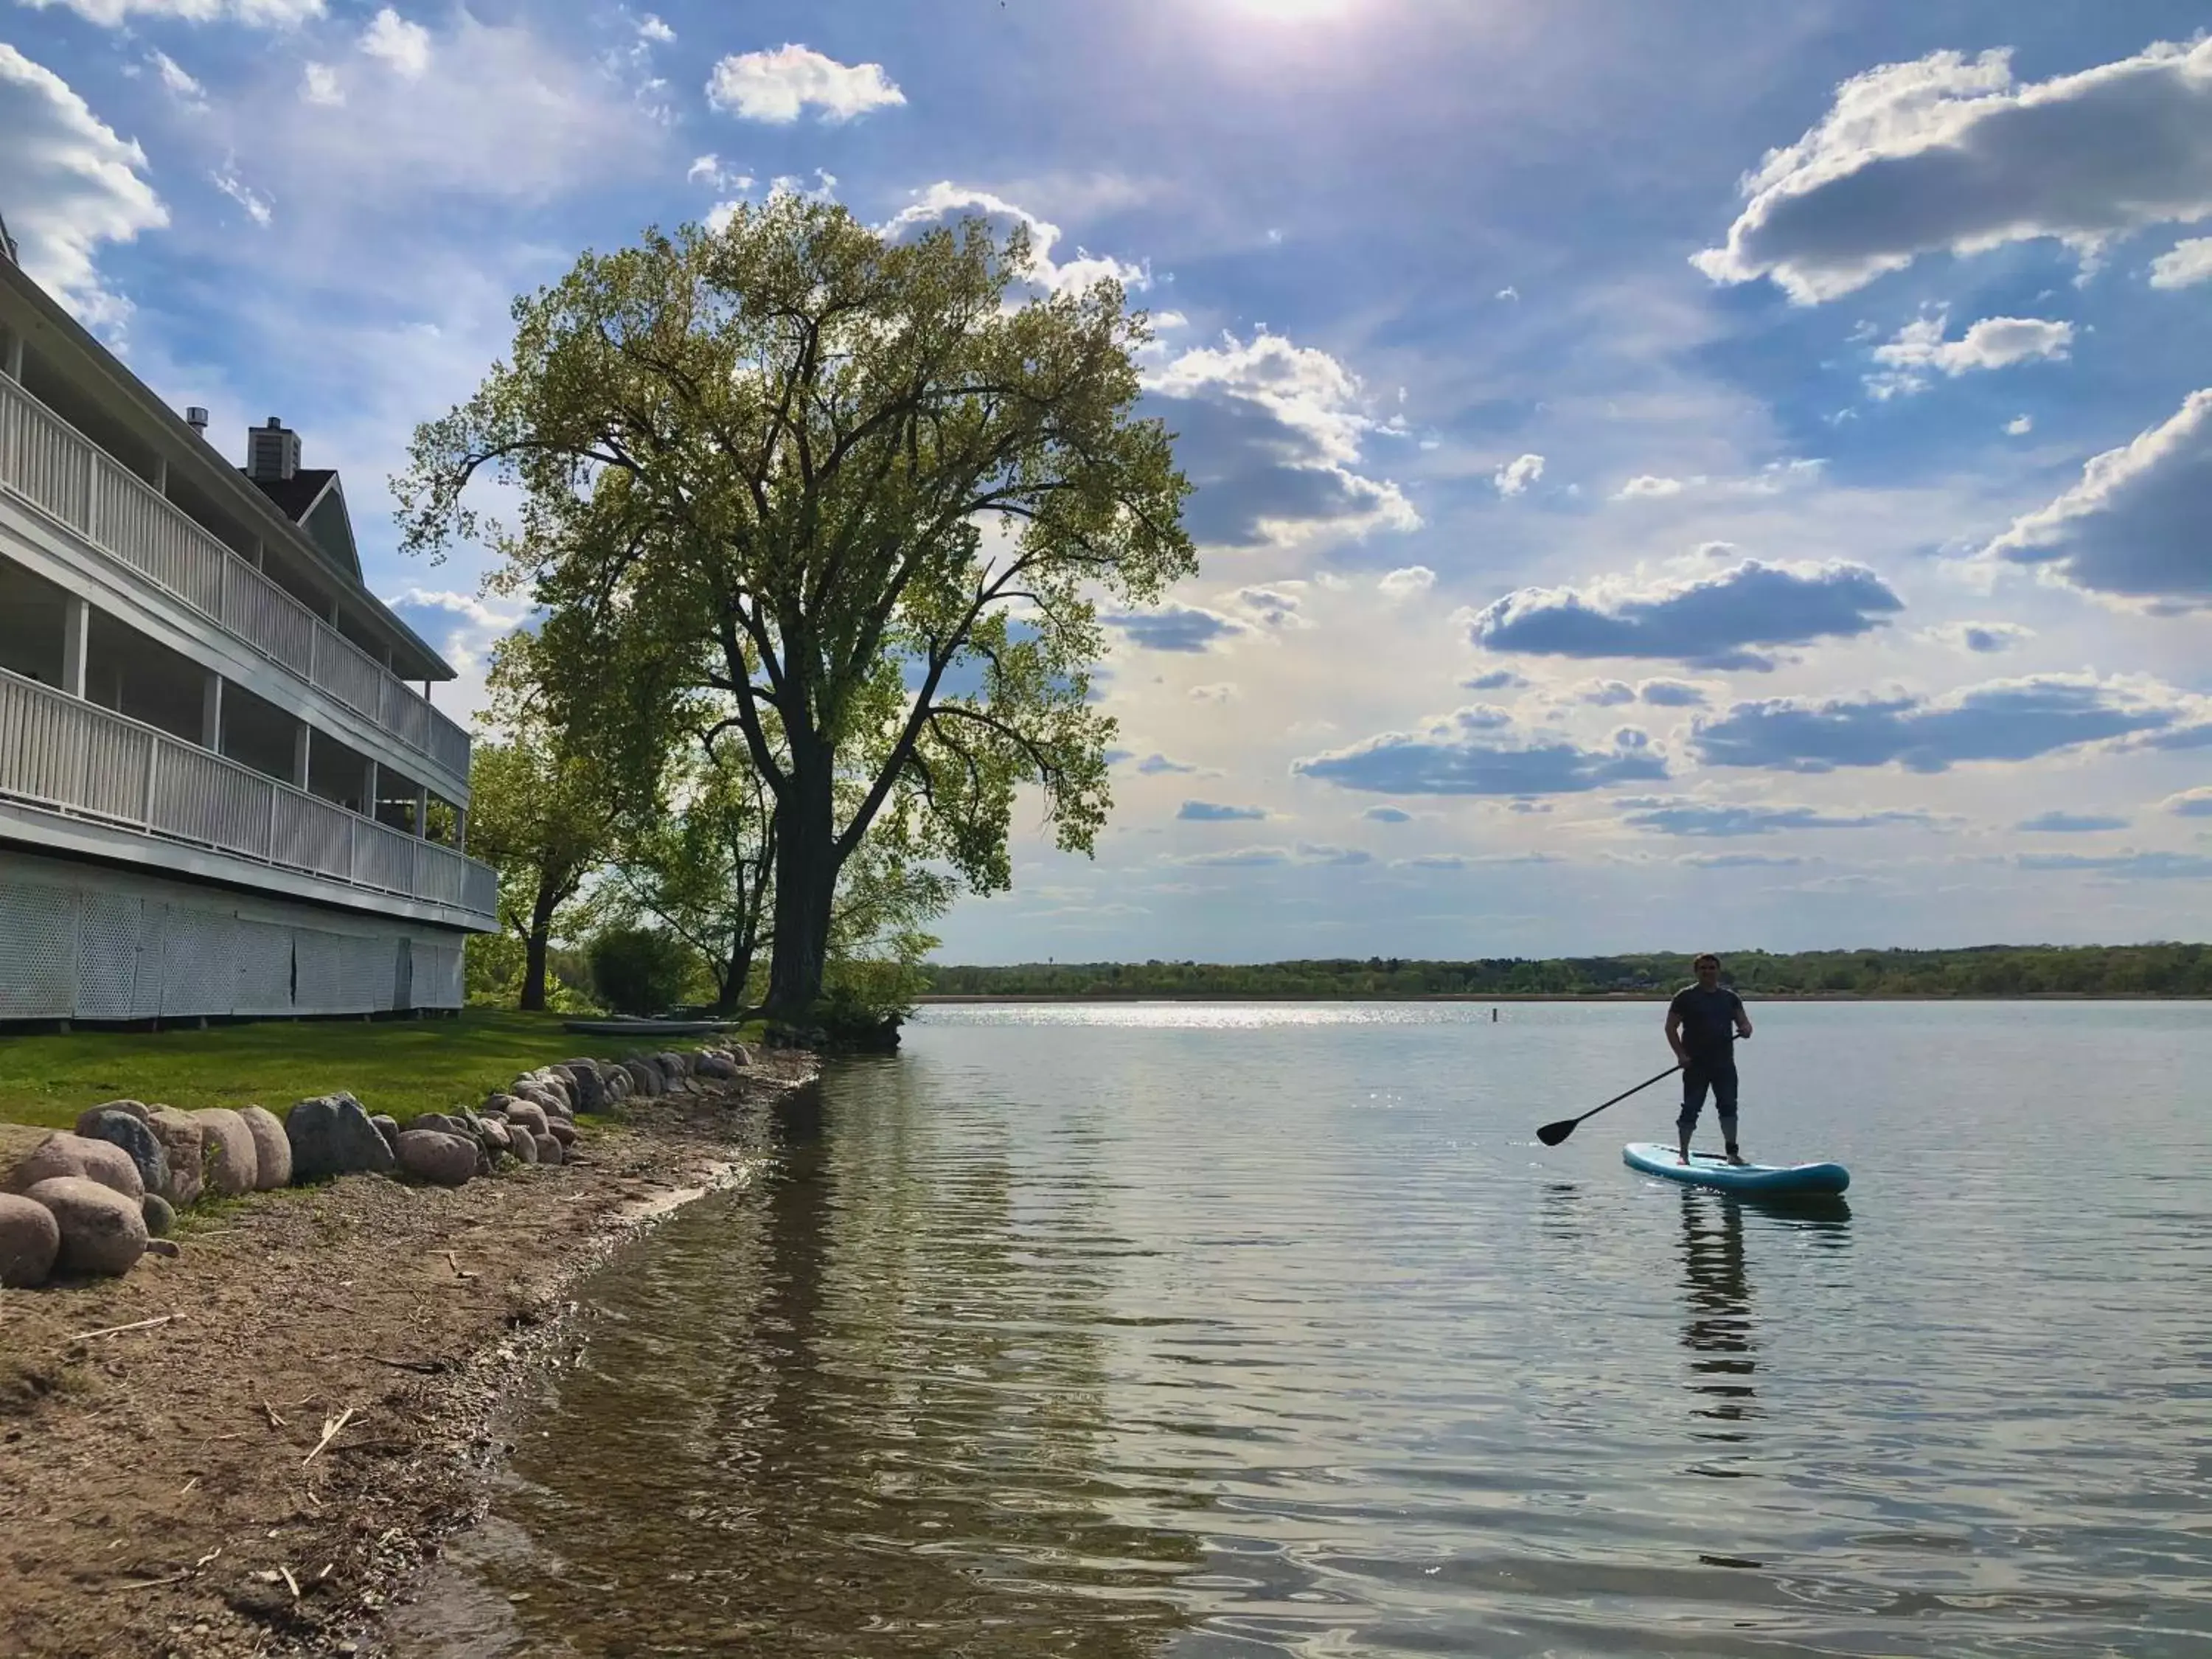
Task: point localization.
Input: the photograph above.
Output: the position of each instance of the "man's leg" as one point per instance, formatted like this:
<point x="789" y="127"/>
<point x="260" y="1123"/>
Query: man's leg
<point x="1694" y="1084"/>
<point x="1723" y="1078"/>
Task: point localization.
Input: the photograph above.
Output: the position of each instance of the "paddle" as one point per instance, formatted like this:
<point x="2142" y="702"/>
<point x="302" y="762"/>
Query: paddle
<point x="1552" y="1134"/>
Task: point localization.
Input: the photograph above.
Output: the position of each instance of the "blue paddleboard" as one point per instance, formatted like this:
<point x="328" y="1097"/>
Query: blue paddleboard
<point x="1710" y="1169"/>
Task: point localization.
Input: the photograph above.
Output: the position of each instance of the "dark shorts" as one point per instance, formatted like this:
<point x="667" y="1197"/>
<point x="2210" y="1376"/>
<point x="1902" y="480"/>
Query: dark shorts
<point x="1719" y="1077"/>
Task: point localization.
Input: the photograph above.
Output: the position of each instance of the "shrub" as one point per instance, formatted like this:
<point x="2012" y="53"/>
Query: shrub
<point x="638" y="971"/>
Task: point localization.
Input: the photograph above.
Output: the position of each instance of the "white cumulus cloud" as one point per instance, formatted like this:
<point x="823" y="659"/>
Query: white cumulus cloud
<point x="1920" y="350"/>
<point x="650" y="28"/>
<point x="1949" y="153"/>
<point x="780" y="86"/>
<point x="179" y="82"/>
<point x="945" y="200"/>
<point x="392" y="40"/>
<point x="2020" y="426"/>
<point x="1517" y="474"/>
<point x="2183" y="264"/>
<point x="2133" y="526"/>
<point x="72" y="186"/>
<point x="1405" y="584"/>
<point x="261" y="13"/>
<point x="226" y="180"/>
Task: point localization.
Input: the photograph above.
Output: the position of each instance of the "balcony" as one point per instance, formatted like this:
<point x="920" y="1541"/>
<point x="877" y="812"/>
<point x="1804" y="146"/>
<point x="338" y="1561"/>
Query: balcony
<point x="50" y="464"/>
<point x="72" y="757"/>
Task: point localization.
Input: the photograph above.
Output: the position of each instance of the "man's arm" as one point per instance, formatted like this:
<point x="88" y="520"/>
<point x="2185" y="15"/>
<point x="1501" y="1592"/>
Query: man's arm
<point x="1743" y="1019"/>
<point x="1675" y="1031"/>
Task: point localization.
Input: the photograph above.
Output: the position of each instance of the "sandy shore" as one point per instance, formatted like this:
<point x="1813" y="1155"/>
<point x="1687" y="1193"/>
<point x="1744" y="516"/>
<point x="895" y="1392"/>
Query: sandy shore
<point x="171" y="1489"/>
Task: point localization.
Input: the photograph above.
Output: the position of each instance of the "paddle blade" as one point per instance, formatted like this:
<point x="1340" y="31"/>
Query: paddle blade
<point x="1552" y="1134"/>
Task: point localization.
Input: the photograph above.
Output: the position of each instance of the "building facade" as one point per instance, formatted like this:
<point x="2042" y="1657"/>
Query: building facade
<point x="221" y="792"/>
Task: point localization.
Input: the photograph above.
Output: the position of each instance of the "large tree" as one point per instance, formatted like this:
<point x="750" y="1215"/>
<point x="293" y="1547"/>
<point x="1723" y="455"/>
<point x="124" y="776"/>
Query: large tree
<point x="869" y="494"/>
<point x="539" y="815"/>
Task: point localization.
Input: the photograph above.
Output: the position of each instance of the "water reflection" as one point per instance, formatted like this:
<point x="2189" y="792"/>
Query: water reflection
<point x="854" y="1361"/>
<point x="1719" y="1330"/>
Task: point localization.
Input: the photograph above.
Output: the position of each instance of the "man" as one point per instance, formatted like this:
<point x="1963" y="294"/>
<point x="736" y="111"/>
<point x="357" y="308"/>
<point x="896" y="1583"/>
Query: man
<point x="1703" y="1022"/>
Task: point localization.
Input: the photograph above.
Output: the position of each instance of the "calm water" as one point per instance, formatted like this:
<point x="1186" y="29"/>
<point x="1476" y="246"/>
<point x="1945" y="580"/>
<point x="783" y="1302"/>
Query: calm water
<point x="1233" y="1330"/>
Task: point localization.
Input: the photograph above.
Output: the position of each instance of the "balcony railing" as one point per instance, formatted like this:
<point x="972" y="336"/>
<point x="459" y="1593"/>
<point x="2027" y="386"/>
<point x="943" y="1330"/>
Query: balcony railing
<point x="48" y="463"/>
<point x="76" y="757"/>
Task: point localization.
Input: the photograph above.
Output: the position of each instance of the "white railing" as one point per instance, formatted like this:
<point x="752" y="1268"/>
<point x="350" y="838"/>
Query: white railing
<point x="50" y="464"/>
<point x="78" y="759"/>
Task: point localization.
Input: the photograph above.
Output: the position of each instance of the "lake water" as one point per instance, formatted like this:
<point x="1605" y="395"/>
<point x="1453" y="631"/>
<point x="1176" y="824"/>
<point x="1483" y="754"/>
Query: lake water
<point x="1235" y="1330"/>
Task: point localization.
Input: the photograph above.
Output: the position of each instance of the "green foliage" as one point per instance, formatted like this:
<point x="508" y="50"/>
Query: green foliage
<point x="1996" y="970"/>
<point x="640" y="970"/>
<point x="839" y="496"/>
<point x="403" y="1067"/>
<point x="492" y="966"/>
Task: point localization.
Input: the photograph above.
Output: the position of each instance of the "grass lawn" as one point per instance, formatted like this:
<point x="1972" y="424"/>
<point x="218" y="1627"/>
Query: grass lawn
<point x="399" y="1066"/>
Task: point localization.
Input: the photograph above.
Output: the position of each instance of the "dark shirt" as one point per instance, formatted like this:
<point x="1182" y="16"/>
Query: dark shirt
<point x="1708" y="1021"/>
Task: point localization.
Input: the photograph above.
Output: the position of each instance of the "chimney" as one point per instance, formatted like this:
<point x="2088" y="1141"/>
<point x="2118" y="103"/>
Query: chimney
<point x="272" y="452"/>
<point x="196" y="418"/>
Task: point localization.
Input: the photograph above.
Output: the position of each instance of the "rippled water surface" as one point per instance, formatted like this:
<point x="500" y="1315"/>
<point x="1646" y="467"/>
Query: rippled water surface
<point x="1239" y="1330"/>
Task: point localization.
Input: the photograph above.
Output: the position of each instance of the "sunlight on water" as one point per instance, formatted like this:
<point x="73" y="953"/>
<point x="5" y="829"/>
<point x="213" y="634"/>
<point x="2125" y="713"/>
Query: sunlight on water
<point x="1212" y="1330"/>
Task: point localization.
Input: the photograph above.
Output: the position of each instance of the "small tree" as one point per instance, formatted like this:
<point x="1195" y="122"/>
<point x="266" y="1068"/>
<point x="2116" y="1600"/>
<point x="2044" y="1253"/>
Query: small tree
<point x="640" y="970"/>
<point x="861" y="496"/>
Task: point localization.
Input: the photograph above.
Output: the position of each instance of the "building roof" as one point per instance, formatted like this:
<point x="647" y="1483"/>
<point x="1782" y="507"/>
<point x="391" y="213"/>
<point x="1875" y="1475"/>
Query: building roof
<point x="296" y="497"/>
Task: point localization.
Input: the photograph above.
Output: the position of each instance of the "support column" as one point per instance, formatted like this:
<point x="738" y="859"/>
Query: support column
<point x="421" y="812"/>
<point x="12" y="359"/>
<point x="212" y="713"/>
<point x="76" y="637"/>
<point x="369" y="791"/>
<point x="160" y="478"/>
<point x="260" y="554"/>
<point x="303" y="746"/>
<point x="461" y="829"/>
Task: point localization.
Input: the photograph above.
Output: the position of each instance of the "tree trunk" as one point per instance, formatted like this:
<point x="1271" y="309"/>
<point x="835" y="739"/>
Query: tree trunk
<point x="534" y="942"/>
<point x="738" y="969"/>
<point x="805" y="884"/>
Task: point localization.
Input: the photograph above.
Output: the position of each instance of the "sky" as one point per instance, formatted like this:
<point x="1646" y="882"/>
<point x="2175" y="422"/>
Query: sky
<point x="1671" y="474"/>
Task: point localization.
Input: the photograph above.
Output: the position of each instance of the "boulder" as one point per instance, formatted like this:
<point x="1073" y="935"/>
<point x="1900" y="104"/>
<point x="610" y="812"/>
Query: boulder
<point x="387" y="1126"/>
<point x="591" y="1089"/>
<point x="562" y="1131"/>
<point x="129" y="1131"/>
<point x="527" y="1115"/>
<point x="61" y="1153"/>
<point x="446" y="1123"/>
<point x="30" y="1241"/>
<point x="182" y="1139"/>
<point x="102" y="1232"/>
<point x="441" y="1159"/>
<point x="551" y="1082"/>
<point x="648" y="1079"/>
<point x="227" y="1156"/>
<point x="496" y="1102"/>
<point x="721" y="1067"/>
<point x="334" y="1135"/>
<point x="524" y="1145"/>
<point x="272" y="1151"/>
<point x="483" y="1161"/>
<point x="677" y="1066"/>
<point x="493" y="1136"/>
<point x="549" y="1100"/>
<point x="137" y="1109"/>
<point x="548" y="1150"/>
<point x="158" y="1213"/>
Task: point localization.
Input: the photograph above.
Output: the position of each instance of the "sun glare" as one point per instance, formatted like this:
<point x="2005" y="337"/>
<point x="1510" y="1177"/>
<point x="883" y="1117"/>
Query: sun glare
<point x="1293" y="11"/>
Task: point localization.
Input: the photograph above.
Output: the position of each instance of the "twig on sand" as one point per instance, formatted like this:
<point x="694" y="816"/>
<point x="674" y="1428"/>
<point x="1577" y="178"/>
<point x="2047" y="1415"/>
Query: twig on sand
<point x="427" y="1367"/>
<point x="156" y="1583"/>
<point x="188" y="1484"/>
<point x="117" y="1330"/>
<point x="331" y="1425"/>
<point x="290" y="1583"/>
<point x="275" y="1421"/>
<point x="460" y="1271"/>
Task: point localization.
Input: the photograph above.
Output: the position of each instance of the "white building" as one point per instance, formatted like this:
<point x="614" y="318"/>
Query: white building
<point x="220" y="794"/>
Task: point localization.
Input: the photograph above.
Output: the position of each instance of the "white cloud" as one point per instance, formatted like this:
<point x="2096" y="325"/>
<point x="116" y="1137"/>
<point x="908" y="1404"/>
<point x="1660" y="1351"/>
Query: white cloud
<point x="262" y="13"/>
<point x="394" y="41"/>
<point x="2134" y="525"/>
<point x="2020" y="426"/>
<point x="650" y="28"/>
<point x="1405" y="583"/>
<point x="73" y="185"/>
<point x="1645" y="484"/>
<point x="1224" y="692"/>
<point x="945" y="200"/>
<point x="1949" y="153"/>
<point x="779" y="86"/>
<point x="2191" y="803"/>
<point x="1769" y="480"/>
<point x="318" y="84"/>
<point x="226" y="180"/>
<point x="1979" y="638"/>
<point x="1517" y="474"/>
<point x="179" y="82"/>
<point x="2183" y="264"/>
<point x="1920" y="350"/>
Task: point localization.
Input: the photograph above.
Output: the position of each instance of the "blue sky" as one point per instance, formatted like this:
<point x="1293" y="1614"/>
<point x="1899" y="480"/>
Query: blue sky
<point x="1671" y="474"/>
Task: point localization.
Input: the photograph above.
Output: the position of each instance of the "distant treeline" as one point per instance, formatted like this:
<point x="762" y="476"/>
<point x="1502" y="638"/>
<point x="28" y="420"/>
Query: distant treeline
<point x="1987" y="970"/>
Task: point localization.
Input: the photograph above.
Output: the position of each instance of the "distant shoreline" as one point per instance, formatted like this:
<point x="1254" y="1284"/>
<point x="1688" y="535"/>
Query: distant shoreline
<point x="1501" y="998"/>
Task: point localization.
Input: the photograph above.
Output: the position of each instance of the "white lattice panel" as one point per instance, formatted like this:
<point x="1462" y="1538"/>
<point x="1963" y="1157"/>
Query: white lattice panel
<point x="364" y="974"/>
<point x="37" y="943"/>
<point x="199" y="963"/>
<point x="109" y="927"/>
<point x="264" y="968"/>
<point x="146" y="989"/>
<point x="318" y="961"/>
<point x="437" y="976"/>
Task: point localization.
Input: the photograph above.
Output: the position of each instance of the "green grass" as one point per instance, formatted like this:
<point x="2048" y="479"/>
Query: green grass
<point x="399" y="1066"/>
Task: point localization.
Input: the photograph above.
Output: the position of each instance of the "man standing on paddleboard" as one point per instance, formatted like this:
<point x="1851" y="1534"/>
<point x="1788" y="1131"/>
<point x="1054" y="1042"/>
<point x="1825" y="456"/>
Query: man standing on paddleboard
<point x="1703" y="1022"/>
